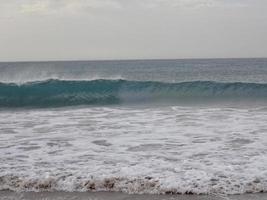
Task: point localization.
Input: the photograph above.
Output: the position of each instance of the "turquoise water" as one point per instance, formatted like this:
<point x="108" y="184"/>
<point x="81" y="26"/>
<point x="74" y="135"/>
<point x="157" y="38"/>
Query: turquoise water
<point x="56" y="84"/>
<point x="155" y="126"/>
<point x="59" y="93"/>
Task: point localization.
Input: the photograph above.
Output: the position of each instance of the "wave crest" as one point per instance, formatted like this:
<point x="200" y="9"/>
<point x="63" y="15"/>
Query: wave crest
<point x="57" y="93"/>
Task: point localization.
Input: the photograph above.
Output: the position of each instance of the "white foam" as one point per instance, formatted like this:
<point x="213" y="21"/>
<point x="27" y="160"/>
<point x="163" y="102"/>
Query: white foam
<point x="135" y="150"/>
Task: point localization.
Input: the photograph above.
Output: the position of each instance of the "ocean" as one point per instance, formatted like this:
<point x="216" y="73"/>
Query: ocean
<point x="192" y="126"/>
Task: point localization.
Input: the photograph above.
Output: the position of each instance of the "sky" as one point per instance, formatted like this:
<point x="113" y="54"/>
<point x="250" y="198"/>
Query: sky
<point x="35" y="30"/>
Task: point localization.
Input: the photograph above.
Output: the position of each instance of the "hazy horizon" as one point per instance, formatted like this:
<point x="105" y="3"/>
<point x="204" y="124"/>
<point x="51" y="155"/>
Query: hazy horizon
<point x="128" y="30"/>
<point x="136" y="59"/>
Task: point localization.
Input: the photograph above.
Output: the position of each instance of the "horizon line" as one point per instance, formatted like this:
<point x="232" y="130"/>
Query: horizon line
<point x="129" y="59"/>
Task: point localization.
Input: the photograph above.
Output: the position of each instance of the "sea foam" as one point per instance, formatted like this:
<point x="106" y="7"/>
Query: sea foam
<point x="184" y="150"/>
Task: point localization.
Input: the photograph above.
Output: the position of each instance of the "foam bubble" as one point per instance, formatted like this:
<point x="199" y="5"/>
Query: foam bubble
<point x="134" y="150"/>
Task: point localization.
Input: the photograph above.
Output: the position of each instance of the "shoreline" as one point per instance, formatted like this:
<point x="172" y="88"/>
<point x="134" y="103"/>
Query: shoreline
<point x="10" y="195"/>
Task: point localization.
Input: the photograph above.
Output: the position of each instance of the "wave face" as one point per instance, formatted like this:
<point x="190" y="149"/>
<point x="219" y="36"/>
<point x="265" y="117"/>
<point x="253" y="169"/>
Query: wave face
<point x="58" y="93"/>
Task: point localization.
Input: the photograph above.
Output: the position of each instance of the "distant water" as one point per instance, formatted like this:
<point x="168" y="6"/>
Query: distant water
<point x="152" y="126"/>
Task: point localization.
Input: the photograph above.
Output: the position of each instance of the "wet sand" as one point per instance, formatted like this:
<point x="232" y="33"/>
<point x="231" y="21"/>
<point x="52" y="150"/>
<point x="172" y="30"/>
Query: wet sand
<point x="6" y="195"/>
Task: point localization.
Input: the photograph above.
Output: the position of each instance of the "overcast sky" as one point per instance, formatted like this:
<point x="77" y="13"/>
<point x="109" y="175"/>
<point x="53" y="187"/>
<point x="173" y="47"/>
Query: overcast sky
<point x="131" y="29"/>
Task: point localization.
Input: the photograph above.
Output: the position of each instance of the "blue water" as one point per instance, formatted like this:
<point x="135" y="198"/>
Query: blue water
<point x="58" y="93"/>
<point x="54" y="84"/>
<point x="151" y="126"/>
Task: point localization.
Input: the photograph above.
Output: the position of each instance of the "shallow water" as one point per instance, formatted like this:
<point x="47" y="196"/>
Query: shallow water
<point x="196" y="146"/>
<point x="168" y="149"/>
<point x="120" y="196"/>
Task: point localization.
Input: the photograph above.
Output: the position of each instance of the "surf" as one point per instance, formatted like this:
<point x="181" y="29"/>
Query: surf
<point x="59" y="93"/>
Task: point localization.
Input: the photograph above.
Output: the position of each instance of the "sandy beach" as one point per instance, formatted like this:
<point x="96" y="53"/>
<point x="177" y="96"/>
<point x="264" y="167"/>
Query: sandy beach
<point x="7" y="195"/>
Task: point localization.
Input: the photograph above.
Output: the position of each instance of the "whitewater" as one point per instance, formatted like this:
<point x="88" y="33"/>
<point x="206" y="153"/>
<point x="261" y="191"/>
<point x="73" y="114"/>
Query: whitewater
<point x="139" y="127"/>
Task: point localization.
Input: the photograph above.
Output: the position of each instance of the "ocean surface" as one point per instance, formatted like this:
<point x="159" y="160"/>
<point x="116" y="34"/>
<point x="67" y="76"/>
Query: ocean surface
<point x="139" y="127"/>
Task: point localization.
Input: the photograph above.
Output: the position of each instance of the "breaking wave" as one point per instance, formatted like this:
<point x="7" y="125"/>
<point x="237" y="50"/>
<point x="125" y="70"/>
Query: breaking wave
<point x="58" y="93"/>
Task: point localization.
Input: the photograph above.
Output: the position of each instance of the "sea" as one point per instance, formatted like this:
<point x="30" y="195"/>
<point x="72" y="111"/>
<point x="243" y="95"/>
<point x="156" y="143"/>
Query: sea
<point x="188" y="126"/>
